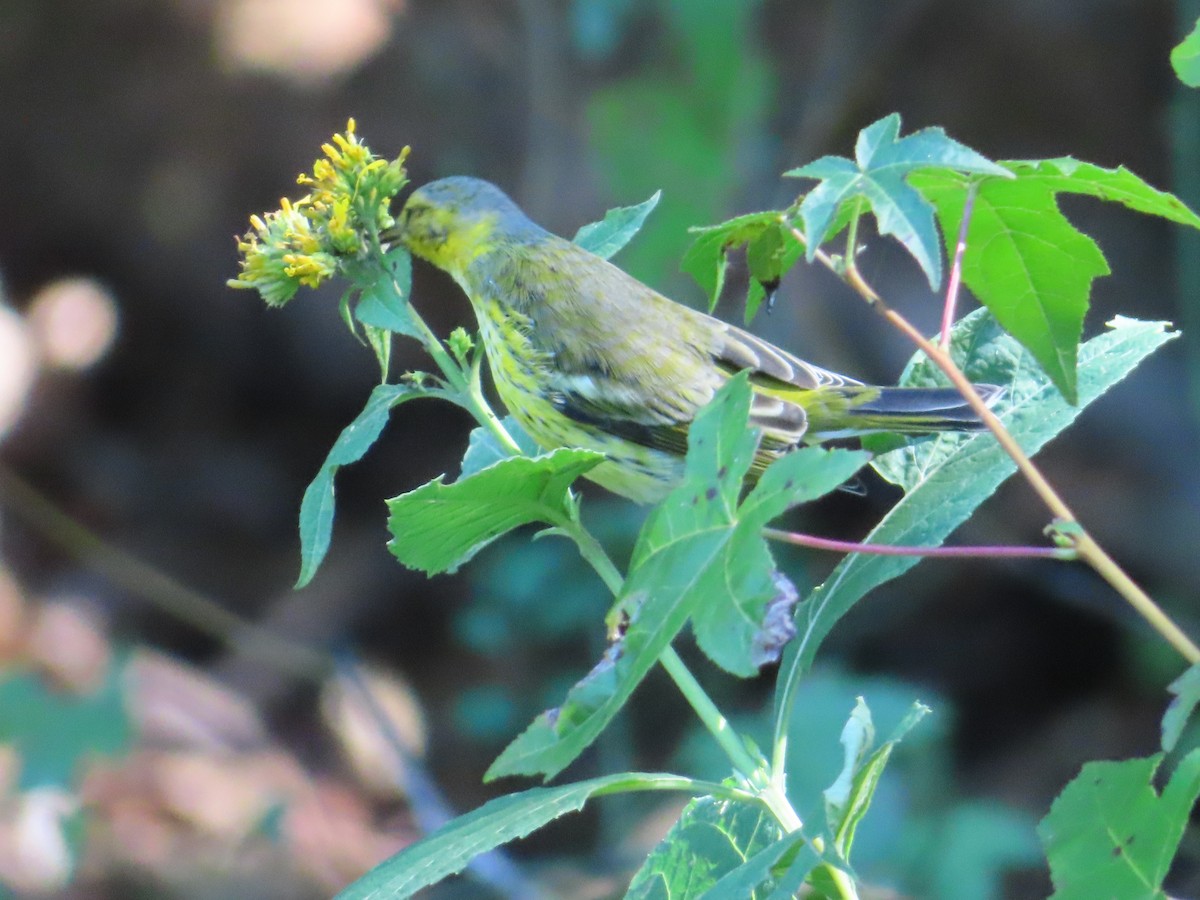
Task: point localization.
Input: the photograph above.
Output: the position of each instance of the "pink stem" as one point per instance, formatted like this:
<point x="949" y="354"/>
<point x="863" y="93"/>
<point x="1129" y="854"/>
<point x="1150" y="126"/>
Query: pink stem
<point x="950" y="308"/>
<point x="820" y="543"/>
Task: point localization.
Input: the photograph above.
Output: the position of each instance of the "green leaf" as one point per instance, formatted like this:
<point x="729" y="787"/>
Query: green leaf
<point x="438" y="527"/>
<point x="878" y="177"/>
<point x="380" y="342"/>
<point x="737" y="591"/>
<point x="53" y="731"/>
<point x="857" y="738"/>
<point x="449" y="849"/>
<point x="699" y="555"/>
<point x="616" y="229"/>
<point x="769" y="257"/>
<point x="765" y="256"/>
<point x="707" y="259"/>
<point x="1186" y="689"/>
<point x="712" y="839"/>
<point x="849" y="797"/>
<point x="1109" y="834"/>
<point x="946" y="479"/>
<point x="383" y="307"/>
<point x="316" y="509"/>
<point x="483" y="449"/>
<point x="1026" y="262"/>
<point x="1072" y="176"/>
<point x="1185" y="58"/>
<point x="1029" y="266"/>
<point x="384" y="303"/>
<point x="792" y="853"/>
<point x="723" y="849"/>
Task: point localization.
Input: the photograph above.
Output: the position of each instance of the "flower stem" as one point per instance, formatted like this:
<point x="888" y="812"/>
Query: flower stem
<point x="843" y="882"/>
<point x="592" y="551"/>
<point x="483" y="412"/>
<point x="706" y="710"/>
<point x="774" y="797"/>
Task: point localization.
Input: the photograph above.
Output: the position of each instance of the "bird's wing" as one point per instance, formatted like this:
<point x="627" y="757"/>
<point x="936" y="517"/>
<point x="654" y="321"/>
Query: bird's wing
<point x="743" y="350"/>
<point x="622" y="410"/>
<point x="654" y="403"/>
<point x="779" y="380"/>
<point x="646" y="366"/>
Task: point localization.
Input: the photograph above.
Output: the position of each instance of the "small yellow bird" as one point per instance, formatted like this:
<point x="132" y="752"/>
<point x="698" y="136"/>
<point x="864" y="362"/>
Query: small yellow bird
<point x="584" y="355"/>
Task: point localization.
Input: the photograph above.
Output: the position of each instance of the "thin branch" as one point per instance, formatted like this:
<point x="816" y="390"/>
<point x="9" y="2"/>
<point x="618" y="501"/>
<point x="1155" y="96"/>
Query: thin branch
<point x="993" y="551"/>
<point x="157" y="588"/>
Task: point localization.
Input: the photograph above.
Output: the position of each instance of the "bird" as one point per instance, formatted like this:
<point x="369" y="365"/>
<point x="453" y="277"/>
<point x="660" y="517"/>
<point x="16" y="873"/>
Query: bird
<point x="585" y="355"/>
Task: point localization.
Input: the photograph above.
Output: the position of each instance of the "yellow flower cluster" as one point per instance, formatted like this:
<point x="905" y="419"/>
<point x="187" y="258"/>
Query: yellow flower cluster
<point x="352" y="190"/>
<point x="305" y="242"/>
<point x="281" y="252"/>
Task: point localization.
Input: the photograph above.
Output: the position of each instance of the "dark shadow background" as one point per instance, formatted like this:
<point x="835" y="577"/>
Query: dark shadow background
<point x="138" y="135"/>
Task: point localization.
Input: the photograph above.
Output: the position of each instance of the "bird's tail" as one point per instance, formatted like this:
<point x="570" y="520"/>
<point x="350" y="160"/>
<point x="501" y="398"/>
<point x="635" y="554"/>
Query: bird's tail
<point x="853" y="410"/>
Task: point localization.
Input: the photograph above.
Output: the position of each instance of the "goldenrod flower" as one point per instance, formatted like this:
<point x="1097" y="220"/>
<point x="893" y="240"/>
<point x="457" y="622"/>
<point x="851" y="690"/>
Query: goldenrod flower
<point x="306" y="242"/>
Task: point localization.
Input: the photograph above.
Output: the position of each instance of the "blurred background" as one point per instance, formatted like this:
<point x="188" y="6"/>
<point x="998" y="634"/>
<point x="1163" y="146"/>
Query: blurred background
<point x="177" y="722"/>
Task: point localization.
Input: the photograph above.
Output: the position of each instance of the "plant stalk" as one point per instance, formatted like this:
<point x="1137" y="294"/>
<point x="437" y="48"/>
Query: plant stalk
<point x="467" y="382"/>
<point x="710" y="716"/>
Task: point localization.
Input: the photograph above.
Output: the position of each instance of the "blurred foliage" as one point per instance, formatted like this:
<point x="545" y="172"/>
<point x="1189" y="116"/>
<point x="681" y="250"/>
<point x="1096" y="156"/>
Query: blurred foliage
<point x="701" y="101"/>
<point x="54" y="732"/>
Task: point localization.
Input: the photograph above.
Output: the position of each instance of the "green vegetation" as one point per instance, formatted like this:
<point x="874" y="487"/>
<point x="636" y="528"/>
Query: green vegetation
<point x="757" y="832"/>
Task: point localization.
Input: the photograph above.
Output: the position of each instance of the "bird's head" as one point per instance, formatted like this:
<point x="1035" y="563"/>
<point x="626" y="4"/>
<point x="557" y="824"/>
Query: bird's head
<point x="452" y="221"/>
